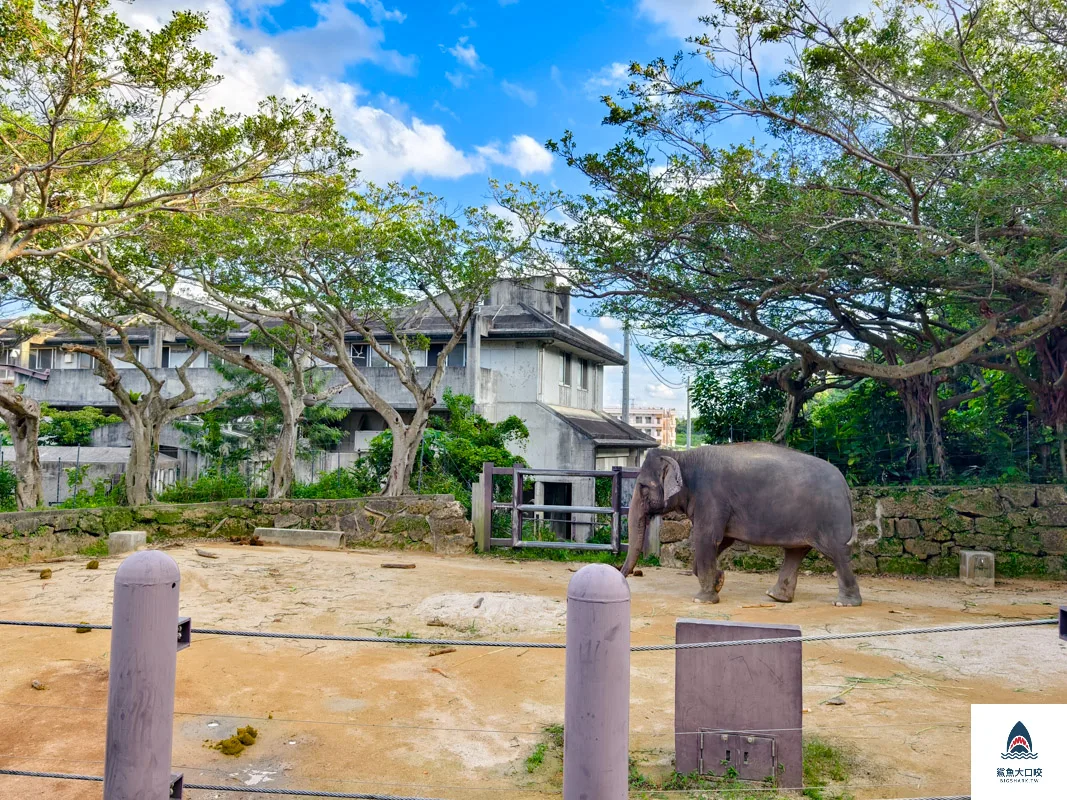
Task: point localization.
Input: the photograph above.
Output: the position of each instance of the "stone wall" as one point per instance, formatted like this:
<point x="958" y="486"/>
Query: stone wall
<point x="920" y="531"/>
<point x="434" y="523"/>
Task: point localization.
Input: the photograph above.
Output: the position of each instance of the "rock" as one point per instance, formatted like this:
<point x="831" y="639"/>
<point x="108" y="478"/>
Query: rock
<point x="1051" y="496"/>
<point x="1053" y="540"/>
<point x="46" y="574"/>
<point x="206" y="554"/>
<point x="94" y="564"/>
<point x="992" y="526"/>
<point x="907" y="529"/>
<point x="1018" y="496"/>
<point x="478" y="602"/>
<point x="836" y="701"/>
<point x="922" y="547"/>
<point x="1054" y="516"/>
<point x="286" y="520"/>
<point x="40" y="687"/>
<point x="975" y="502"/>
<point x="914" y="504"/>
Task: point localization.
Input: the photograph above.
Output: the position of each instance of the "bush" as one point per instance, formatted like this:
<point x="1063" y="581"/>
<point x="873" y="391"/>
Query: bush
<point x="102" y="495"/>
<point x="8" y="483"/>
<point x="208" y="488"/>
<point x="359" y="480"/>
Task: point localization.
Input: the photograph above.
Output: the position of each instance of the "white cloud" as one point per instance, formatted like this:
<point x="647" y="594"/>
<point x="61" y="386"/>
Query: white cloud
<point x="379" y="13"/>
<point x="593" y="333"/>
<point x="523" y="153"/>
<point x="527" y="96"/>
<point x="608" y="78"/>
<point x="680" y="17"/>
<point x="459" y="7"/>
<point x="465" y="54"/>
<point x="458" y="79"/>
<point x="470" y="23"/>
<point x="254" y="65"/>
<point x="660" y="391"/>
<point x="610" y="324"/>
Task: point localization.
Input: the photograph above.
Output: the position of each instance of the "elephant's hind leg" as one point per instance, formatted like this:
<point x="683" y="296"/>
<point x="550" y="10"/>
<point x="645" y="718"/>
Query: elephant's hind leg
<point x="848" y="589"/>
<point x="721" y="577"/>
<point x="787" y="575"/>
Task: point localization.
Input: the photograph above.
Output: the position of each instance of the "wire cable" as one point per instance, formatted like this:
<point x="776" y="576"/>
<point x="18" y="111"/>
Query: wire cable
<point x="323" y="637"/>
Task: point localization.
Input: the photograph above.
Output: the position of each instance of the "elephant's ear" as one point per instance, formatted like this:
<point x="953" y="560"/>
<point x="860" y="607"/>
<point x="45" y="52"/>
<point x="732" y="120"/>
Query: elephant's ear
<point x="672" y="478"/>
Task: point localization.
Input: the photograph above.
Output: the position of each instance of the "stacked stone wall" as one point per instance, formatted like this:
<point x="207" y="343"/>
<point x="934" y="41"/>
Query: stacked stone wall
<point x="433" y="523"/>
<point x="920" y="531"/>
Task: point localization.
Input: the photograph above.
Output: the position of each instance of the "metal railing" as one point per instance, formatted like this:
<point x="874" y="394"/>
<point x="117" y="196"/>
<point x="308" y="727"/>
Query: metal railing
<point x="488" y="504"/>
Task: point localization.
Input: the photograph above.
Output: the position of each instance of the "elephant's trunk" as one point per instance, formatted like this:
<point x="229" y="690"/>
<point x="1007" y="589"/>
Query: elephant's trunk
<point x="638" y="519"/>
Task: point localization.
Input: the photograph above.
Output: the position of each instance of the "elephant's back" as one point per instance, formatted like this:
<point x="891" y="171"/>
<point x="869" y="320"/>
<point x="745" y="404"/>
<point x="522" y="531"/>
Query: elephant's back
<point x="778" y="487"/>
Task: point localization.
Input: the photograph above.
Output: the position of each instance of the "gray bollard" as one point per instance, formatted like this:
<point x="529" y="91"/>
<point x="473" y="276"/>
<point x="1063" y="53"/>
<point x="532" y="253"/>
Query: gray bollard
<point x="596" y="718"/>
<point x="140" y="693"/>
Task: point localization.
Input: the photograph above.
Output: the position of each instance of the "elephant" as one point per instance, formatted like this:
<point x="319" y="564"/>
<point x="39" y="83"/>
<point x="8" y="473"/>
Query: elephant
<point x="754" y="492"/>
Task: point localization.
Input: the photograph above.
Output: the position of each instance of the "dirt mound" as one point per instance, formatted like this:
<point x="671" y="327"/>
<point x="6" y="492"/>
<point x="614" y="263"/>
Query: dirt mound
<point x="498" y="612"/>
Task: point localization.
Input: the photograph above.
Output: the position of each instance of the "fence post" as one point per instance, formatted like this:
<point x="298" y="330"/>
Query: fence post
<point x="140" y="697"/>
<point x="596" y="716"/>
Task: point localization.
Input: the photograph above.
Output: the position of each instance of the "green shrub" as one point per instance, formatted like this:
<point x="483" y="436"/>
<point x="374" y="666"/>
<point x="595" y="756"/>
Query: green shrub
<point x="208" y="488"/>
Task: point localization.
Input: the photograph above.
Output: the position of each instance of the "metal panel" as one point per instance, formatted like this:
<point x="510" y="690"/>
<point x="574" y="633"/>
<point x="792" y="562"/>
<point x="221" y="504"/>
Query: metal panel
<point x="754" y="690"/>
<point x="572" y="509"/>
<point x="753" y="757"/>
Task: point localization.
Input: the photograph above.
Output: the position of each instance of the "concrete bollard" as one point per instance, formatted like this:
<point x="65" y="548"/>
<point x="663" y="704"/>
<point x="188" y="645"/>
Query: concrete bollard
<point x="596" y="718"/>
<point x="140" y="694"/>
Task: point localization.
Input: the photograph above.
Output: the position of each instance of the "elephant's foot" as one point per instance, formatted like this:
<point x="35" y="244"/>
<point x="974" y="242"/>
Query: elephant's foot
<point x="780" y="594"/>
<point x="719" y="581"/>
<point x="847" y="600"/>
<point x="707" y="597"/>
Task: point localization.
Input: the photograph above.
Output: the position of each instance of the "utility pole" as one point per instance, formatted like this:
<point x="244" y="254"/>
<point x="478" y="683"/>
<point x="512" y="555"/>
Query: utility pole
<point x="626" y="374"/>
<point x="688" y="416"/>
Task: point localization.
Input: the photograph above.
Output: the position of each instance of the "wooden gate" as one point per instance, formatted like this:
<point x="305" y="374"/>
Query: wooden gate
<point x="485" y="502"/>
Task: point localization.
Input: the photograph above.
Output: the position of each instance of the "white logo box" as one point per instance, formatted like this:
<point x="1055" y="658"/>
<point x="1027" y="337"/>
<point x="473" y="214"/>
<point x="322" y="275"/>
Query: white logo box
<point x="1019" y="752"/>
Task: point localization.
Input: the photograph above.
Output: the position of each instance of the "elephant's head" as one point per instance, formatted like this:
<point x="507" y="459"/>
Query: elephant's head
<point x="659" y="484"/>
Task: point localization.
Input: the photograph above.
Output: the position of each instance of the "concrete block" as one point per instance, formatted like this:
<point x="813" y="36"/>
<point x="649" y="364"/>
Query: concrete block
<point x="300" y="537"/>
<point x="119" y="542"/>
<point x="976" y="567"/>
<point x="739" y="707"/>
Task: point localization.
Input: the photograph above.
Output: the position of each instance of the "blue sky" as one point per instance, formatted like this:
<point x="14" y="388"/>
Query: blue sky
<point x="449" y="94"/>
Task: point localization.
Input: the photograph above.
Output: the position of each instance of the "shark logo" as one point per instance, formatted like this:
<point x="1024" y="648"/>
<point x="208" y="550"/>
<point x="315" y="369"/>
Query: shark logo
<point x="1020" y="745"/>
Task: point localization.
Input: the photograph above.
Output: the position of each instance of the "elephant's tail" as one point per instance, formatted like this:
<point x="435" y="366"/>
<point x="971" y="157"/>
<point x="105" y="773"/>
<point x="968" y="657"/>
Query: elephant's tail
<point x="854" y="531"/>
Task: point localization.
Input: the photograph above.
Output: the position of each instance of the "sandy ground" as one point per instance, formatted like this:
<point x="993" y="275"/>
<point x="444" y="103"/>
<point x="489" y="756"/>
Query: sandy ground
<point x="391" y="719"/>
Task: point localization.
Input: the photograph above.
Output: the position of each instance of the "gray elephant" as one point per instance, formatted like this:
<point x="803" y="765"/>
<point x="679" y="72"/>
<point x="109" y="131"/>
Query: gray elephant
<point x="762" y="494"/>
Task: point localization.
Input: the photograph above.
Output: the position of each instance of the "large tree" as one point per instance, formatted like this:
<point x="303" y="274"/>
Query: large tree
<point x="901" y="214"/>
<point x="371" y="270"/>
<point x="102" y="130"/>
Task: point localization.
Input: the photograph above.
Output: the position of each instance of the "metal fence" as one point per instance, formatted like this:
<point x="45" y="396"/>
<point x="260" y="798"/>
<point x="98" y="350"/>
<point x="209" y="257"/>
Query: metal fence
<point x="570" y="517"/>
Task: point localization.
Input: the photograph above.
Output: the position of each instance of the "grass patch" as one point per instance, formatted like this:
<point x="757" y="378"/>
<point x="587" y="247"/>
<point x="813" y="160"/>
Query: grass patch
<point x="825" y="764"/>
<point x="826" y="769"/>
<point x="95" y="549"/>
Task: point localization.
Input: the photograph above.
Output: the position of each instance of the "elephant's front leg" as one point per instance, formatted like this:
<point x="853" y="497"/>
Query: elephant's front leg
<point x="707" y="536"/>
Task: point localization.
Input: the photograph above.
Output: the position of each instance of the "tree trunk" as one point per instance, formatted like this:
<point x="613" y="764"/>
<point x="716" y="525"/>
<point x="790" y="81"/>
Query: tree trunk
<point x="790" y="412"/>
<point x="141" y="466"/>
<point x="915" y="414"/>
<point x="23" y="419"/>
<point x="1061" y="440"/>
<point x="406" y="442"/>
<point x="922" y="410"/>
<point x="284" y="463"/>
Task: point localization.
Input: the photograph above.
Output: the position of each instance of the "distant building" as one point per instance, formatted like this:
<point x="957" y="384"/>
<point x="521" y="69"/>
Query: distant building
<point x="657" y="423"/>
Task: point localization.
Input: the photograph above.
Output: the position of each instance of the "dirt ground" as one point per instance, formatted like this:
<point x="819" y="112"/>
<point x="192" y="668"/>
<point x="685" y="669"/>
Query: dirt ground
<point x="391" y="719"/>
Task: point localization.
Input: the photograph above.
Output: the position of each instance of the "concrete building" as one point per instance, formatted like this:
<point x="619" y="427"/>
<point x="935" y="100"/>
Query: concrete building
<point x="660" y="424"/>
<point x="521" y="356"/>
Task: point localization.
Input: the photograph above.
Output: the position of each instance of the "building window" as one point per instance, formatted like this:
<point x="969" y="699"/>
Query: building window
<point x="10" y="356"/>
<point x="41" y="358"/>
<point x="361" y="356"/>
<point x="84" y="361"/>
<point x="418" y="358"/>
<point x="457" y="358"/>
<point x="565" y="369"/>
<point x="583" y="374"/>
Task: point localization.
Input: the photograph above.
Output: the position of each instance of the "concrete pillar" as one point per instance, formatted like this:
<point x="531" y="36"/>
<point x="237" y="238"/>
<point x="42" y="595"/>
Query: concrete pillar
<point x="154" y="357"/>
<point x="596" y="717"/>
<point x="140" y="697"/>
<point x="474" y="357"/>
<point x="626" y="374"/>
